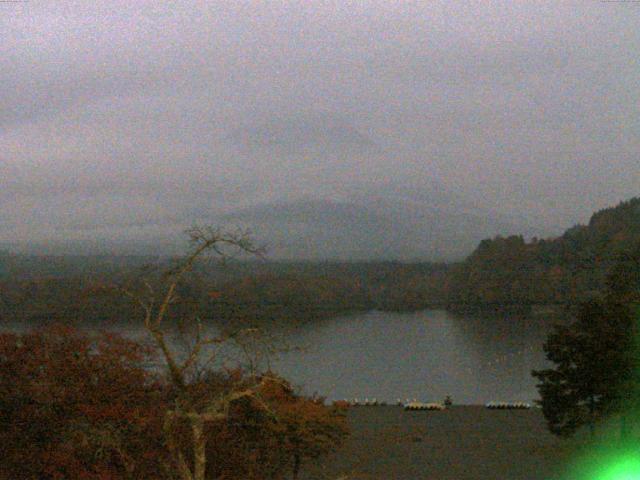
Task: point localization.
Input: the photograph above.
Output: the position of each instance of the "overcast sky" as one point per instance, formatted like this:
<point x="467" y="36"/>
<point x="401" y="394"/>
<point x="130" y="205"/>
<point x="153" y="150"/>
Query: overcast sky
<point x="120" y="113"/>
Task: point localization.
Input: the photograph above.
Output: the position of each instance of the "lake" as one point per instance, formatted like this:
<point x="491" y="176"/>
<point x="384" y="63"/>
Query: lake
<point x="424" y="355"/>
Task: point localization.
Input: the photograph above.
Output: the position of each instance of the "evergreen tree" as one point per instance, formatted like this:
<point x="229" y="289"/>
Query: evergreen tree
<point x="596" y="357"/>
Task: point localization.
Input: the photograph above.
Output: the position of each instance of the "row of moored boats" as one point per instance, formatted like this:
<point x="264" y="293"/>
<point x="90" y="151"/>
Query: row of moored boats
<point x="508" y="406"/>
<point x="407" y="404"/>
<point x="416" y="405"/>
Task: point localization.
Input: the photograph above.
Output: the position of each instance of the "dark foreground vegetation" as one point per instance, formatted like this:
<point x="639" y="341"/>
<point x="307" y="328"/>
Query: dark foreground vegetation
<point x="596" y="358"/>
<point x="80" y="407"/>
<point x="74" y="406"/>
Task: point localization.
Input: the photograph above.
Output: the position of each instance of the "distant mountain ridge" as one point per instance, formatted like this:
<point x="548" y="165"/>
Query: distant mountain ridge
<point x="371" y="224"/>
<point x="310" y="186"/>
<point x="365" y="228"/>
<point x="318" y="206"/>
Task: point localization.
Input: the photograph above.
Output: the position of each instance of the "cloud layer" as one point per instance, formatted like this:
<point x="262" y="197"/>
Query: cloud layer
<point x="122" y="115"/>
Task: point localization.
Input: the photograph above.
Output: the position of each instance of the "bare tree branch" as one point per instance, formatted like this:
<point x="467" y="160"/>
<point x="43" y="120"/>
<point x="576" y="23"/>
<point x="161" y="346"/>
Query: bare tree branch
<point x="222" y="244"/>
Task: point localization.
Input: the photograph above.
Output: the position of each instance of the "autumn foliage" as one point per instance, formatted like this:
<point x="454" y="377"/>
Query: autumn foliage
<point x="270" y="435"/>
<point x="74" y="406"/>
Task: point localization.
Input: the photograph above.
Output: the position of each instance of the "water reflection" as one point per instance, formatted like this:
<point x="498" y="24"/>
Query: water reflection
<point x="425" y="355"/>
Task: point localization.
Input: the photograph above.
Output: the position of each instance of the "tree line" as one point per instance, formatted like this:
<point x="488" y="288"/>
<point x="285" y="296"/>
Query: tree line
<point x="567" y="270"/>
<point x="503" y="272"/>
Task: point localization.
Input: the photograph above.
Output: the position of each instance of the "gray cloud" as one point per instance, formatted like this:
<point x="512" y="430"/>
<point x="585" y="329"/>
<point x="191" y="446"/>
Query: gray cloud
<point x="121" y="113"/>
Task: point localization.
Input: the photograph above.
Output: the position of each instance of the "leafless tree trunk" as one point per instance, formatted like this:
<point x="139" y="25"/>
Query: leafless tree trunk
<point x="156" y="310"/>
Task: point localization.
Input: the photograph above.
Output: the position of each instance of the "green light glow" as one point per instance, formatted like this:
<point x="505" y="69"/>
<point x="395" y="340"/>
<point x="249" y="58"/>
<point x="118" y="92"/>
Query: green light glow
<point x="627" y="468"/>
<point x="610" y="461"/>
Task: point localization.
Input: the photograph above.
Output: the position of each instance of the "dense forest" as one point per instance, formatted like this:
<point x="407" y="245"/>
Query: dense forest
<point x="501" y="273"/>
<point x="561" y="271"/>
<point x="45" y="289"/>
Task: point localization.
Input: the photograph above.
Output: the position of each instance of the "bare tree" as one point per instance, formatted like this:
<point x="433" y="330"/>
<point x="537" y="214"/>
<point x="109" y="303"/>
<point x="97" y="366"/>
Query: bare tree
<point x="194" y="407"/>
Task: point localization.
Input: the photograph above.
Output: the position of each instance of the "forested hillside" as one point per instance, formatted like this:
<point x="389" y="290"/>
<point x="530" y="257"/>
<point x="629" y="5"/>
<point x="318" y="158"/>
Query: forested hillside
<point x="504" y="272"/>
<point x="565" y="270"/>
<point x="45" y="289"/>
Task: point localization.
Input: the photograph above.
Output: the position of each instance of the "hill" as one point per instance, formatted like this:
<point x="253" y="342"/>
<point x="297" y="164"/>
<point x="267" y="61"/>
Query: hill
<point x="566" y="270"/>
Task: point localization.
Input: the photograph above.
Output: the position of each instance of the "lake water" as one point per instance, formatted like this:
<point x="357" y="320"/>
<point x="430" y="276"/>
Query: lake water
<point x="424" y="355"/>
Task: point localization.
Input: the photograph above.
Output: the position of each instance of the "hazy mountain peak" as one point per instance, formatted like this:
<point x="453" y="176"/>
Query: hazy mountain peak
<point x="297" y="133"/>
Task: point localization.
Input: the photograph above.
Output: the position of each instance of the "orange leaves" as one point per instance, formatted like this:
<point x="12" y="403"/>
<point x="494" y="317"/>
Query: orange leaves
<point x="58" y="385"/>
<point x="74" y="406"/>
<point x="312" y="428"/>
<point x="341" y="405"/>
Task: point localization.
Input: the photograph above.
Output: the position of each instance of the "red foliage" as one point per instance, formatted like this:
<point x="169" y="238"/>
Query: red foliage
<point x="271" y="435"/>
<point x="79" y="407"/>
<point x="342" y="404"/>
<point x="72" y="406"/>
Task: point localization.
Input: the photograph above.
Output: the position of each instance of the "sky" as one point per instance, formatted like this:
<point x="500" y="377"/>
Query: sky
<point x="127" y="116"/>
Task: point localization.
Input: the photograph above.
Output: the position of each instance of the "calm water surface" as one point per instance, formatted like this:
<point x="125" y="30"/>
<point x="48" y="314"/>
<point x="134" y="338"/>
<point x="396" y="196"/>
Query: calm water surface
<point x="424" y="355"/>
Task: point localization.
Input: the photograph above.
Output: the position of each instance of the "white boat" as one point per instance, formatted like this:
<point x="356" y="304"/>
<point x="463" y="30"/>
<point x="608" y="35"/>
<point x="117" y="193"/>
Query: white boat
<point x="508" y="405"/>
<point x="424" y="406"/>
